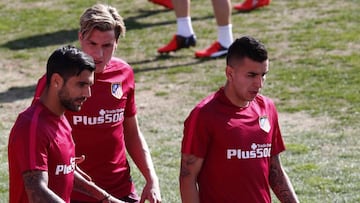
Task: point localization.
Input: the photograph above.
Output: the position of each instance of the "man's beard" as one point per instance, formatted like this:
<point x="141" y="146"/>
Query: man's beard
<point x="70" y="103"/>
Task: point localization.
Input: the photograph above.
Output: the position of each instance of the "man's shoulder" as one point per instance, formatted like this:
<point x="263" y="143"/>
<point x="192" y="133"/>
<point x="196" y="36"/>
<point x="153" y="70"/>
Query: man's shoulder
<point x="264" y="99"/>
<point x="116" y="70"/>
<point x="205" y="106"/>
<point x="264" y="102"/>
<point x="31" y="111"/>
<point x="118" y="63"/>
<point x="206" y="101"/>
<point x="26" y="120"/>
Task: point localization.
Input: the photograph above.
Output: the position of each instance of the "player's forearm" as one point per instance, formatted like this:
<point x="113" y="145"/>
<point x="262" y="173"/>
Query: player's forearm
<point x="138" y="149"/>
<point x="140" y="154"/>
<point x="188" y="191"/>
<point x="88" y="188"/>
<point x="284" y="190"/>
<point x="189" y="169"/>
<point x="35" y="183"/>
<point x="142" y="158"/>
<point x="39" y="195"/>
<point x="280" y="183"/>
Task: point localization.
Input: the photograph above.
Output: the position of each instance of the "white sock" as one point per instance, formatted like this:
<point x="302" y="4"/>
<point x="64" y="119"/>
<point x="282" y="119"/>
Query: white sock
<point x="184" y="26"/>
<point x="225" y="35"/>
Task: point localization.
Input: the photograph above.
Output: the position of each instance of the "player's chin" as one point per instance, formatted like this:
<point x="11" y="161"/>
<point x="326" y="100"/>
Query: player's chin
<point x="79" y="102"/>
<point x="76" y="106"/>
<point x="99" y="67"/>
<point x="252" y="95"/>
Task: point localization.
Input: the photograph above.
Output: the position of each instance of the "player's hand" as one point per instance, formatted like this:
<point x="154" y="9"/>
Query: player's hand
<point x="151" y="192"/>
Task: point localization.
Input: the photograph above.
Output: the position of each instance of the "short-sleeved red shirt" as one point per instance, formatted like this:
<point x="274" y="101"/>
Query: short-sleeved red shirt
<point x="98" y="129"/>
<point x="41" y="140"/>
<point x="236" y="144"/>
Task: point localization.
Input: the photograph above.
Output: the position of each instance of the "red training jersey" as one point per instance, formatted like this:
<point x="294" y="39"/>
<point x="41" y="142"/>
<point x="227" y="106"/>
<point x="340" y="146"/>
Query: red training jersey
<point x="41" y="140"/>
<point x="236" y="145"/>
<point x="98" y="129"/>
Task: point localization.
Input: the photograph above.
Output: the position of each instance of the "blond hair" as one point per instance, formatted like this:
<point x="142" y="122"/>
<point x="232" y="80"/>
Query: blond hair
<point x="101" y="17"/>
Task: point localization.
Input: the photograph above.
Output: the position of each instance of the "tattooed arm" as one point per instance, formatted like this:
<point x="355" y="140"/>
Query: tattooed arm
<point x="280" y="182"/>
<point x="189" y="170"/>
<point x="36" y="187"/>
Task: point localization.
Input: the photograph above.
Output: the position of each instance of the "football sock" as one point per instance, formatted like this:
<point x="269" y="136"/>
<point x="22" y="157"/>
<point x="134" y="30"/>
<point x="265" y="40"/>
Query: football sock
<point x="225" y="35"/>
<point x="184" y="26"/>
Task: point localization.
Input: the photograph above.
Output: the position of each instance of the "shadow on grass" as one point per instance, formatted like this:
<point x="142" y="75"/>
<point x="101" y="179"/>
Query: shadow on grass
<point x="17" y="93"/>
<point x="65" y="36"/>
<point x="70" y="36"/>
<point x="163" y="57"/>
<point x="133" y="23"/>
<point x="43" y="40"/>
<point x="25" y="92"/>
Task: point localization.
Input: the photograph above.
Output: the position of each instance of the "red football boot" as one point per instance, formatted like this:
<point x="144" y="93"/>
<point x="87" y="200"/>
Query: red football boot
<point x="166" y="3"/>
<point x="213" y="51"/>
<point x="250" y="5"/>
<point x="178" y="42"/>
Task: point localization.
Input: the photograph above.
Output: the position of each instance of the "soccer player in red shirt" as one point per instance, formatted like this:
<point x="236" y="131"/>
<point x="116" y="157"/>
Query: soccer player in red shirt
<point x="232" y="140"/>
<point x="41" y="151"/>
<point x="107" y="126"/>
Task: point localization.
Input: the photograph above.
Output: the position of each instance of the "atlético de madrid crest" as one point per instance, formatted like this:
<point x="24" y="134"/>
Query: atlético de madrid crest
<point x="116" y="90"/>
<point x="264" y="123"/>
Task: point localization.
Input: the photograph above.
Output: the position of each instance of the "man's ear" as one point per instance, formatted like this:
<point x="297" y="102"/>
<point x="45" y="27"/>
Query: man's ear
<point x="80" y="37"/>
<point x="56" y="81"/>
<point x="229" y="71"/>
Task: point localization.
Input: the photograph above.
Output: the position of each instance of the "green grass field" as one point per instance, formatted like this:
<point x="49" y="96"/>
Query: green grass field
<point x="314" y="79"/>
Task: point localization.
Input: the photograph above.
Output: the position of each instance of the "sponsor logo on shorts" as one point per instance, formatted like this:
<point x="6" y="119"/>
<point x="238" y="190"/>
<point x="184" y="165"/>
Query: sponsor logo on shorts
<point x="257" y="151"/>
<point x="105" y="116"/>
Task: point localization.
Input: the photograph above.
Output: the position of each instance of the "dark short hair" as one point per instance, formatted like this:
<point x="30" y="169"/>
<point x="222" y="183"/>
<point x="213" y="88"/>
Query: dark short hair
<point x="68" y="61"/>
<point x="246" y="46"/>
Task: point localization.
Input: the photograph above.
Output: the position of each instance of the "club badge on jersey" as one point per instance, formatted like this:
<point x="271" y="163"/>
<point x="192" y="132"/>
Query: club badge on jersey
<point x="264" y="123"/>
<point x="116" y="90"/>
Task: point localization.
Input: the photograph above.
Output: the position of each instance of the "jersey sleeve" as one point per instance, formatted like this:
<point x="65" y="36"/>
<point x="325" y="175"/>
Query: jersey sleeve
<point x="195" y="139"/>
<point x="278" y="145"/>
<point x="29" y="146"/>
<point x="130" y="109"/>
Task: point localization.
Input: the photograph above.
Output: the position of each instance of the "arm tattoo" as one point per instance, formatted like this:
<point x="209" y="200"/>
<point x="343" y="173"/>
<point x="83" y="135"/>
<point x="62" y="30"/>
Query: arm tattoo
<point x="36" y="187"/>
<point x="186" y="162"/>
<point x="32" y="182"/>
<point x="280" y="183"/>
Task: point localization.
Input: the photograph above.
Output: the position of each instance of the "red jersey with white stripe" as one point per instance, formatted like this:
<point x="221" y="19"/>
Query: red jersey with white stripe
<point x="236" y="145"/>
<point x="98" y="129"/>
<point x="41" y="140"/>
